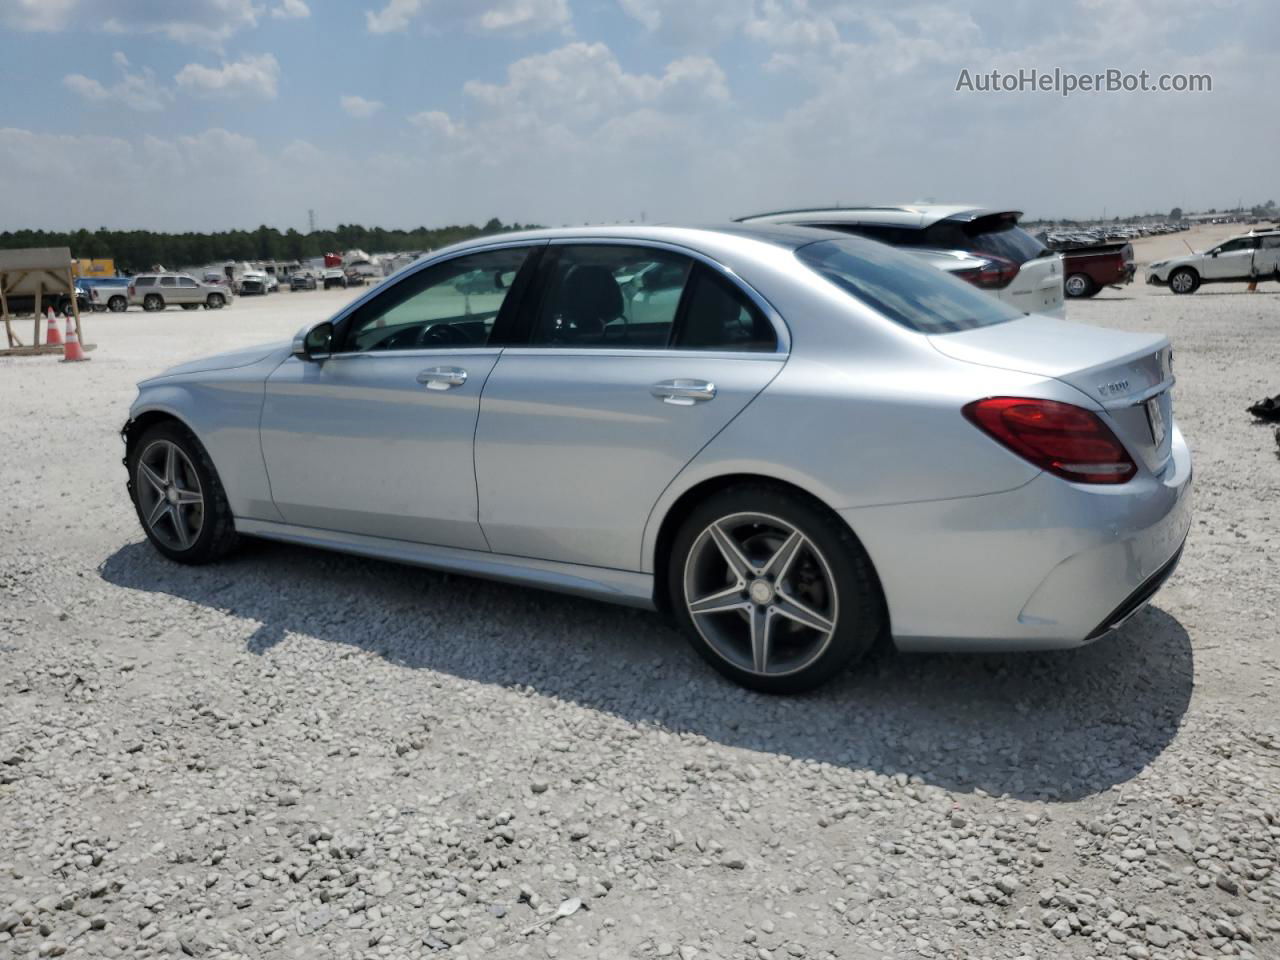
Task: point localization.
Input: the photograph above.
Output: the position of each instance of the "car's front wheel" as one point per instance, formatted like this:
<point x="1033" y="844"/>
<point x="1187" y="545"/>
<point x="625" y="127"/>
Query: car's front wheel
<point x="179" y="498"/>
<point x="773" y="590"/>
<point x="1184" y="280"/>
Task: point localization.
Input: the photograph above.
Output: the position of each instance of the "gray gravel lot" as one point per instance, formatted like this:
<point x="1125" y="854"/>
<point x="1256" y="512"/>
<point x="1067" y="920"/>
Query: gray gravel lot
<point x="299" y="754"/>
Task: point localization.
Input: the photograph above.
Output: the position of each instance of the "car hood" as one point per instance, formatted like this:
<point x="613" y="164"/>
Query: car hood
<point x="225" y="361"/>
<point x="1177" y="261"/>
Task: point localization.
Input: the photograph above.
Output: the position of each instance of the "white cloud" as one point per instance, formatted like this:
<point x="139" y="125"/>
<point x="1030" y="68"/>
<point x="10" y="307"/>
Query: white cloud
<point x="392" y="18"/>
<point x="204" y="22"/>
<point x="437" y="122"/>
<point x="584" y="82"/>
<point x="291" y="10"/>
<point x="138" y="91"/>
<point x="481" y="15"/>
<point x="253" y="76"/>
<point x="357" y="106"/>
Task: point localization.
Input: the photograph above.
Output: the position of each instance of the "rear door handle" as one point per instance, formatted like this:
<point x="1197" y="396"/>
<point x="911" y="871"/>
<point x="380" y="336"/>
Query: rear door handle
<point x="442" y="378"/>
<point x="683" y="393"/>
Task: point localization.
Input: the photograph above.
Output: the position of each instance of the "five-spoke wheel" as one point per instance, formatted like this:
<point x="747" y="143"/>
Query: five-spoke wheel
<point x="179" y="498"/>
<point x="169" y="495"/>
<point x="774" y="591"/>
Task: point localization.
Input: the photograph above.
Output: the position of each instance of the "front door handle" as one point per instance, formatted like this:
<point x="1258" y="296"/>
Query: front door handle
<point x="442" y="378"/>
<point x="683" y="393"/>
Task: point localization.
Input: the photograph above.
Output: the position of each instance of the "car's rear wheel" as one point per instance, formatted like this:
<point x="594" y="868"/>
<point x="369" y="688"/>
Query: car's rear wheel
<point x="179" y="498"/>
<point x="215" y="301"/>
<point x="117" y="304"/>
<point x="773" y="590"/>
<point x="1184" y="280"/>
<point x="1080" y="285"/>
<point x="153" y="302"/>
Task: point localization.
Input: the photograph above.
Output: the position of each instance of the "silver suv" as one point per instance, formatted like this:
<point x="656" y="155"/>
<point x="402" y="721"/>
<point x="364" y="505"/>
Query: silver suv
<point x="155" y="291"/>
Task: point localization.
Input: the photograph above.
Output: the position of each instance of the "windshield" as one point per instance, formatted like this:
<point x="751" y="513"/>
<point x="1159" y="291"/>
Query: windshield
<point x="904" y="289"/>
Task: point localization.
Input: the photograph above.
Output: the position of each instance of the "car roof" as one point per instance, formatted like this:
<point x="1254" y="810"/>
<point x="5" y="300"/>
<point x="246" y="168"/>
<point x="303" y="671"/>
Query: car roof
<point x="907" y="215"/>
<point x="774" y="234"/>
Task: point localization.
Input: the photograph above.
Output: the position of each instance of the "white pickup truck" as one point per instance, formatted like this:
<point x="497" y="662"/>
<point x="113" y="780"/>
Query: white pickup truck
<point x="1251" y="256"/>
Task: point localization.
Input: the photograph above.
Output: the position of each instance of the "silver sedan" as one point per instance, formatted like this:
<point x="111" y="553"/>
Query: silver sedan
<point x="792" y="442"/>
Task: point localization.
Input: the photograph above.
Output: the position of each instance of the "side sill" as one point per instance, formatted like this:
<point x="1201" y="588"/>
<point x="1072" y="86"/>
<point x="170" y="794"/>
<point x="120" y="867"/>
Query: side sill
<point x="598" y="583"/>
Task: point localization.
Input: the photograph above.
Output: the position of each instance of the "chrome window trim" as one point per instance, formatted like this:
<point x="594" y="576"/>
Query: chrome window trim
<point x="781" y="331"/>
<point x="658" y="353"/>
<point x="418" y="352"/>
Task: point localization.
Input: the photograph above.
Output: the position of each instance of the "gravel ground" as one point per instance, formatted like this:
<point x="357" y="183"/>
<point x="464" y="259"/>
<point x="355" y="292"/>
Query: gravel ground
<point x="298" y="754"/>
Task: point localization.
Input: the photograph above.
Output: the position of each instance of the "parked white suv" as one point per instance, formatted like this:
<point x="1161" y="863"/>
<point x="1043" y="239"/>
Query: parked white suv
<point x="1252" y="256"/>
<point x="155" y="291"/>
<point x="1018" y="268"/>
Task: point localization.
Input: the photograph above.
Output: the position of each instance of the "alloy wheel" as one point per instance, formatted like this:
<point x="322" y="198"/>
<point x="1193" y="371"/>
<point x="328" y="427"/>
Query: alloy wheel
<point x="761" y="594"/>
<point x="1181" y="282"/>
<point x="169" y="495"/>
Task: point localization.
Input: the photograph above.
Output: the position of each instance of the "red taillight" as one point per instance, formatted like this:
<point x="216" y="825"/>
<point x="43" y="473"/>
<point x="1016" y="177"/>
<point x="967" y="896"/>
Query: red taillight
<point x="996" y="274"/>
<point x="1066" y="440"/>
<point x="131" y="289"/>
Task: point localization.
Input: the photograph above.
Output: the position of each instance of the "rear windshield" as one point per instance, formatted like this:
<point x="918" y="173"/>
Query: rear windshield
<point x="904" y="288"/>
<point x="998" y="234"/>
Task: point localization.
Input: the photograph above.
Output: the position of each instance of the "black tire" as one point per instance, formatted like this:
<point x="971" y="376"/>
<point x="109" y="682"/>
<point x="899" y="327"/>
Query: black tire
<point x="152" y="302"/>
<point x="857" y="607"/>
<point x="118" y="304"/>
<point x="1185" y="278"/>
<point x="215" y="301"/>
<point x="1079" y="285"/>
<point x="217" y="534"/>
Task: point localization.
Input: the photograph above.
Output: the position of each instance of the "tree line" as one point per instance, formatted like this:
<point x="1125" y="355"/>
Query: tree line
<point x="138" y="250"/>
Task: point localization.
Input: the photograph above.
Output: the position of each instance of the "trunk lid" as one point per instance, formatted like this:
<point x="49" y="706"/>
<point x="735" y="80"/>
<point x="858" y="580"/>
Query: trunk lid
<point x="1038" y="286"/>
<point x="1129" y="375"/>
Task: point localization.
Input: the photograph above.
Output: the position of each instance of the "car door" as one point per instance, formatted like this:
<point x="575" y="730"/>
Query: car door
<point x="377" y="438"/>
<point x="627" y="361"/>
<point x="169" y="289"/>
<point x="188" y="291"/>
<point x="1267" y="259"/>
<point x="1233" y="260"/>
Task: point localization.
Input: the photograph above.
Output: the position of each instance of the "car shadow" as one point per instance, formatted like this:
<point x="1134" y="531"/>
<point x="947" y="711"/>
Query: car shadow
<point x="1052" y="726"/>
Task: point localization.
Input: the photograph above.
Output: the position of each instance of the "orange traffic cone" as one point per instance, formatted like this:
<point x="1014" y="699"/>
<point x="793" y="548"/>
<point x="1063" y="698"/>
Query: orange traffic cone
<point x="1253" y="285"/>
<point x="54" y="336"/>
<point x="71" y="350"/>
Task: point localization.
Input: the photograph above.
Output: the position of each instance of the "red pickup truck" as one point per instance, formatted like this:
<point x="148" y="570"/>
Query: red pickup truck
<point x="1086" y="270"/>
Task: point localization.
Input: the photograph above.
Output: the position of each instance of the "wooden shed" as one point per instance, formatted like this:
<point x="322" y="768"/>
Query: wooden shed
<point x="30" y="280"/>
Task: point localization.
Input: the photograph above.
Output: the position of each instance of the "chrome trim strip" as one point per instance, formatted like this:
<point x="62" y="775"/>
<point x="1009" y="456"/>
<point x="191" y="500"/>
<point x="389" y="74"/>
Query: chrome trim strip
<point x="600" y="583"/>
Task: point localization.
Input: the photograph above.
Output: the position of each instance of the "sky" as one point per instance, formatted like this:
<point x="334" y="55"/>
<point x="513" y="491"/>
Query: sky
<point x="224" y="114"/>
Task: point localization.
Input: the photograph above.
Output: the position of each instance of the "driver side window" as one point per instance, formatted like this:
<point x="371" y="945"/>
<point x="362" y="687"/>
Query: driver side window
<point x="453" y="304"/>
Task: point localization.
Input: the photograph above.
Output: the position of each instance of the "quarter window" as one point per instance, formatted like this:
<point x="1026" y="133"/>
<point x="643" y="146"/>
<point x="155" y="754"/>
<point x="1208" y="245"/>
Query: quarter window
<point x="452" y="304"/>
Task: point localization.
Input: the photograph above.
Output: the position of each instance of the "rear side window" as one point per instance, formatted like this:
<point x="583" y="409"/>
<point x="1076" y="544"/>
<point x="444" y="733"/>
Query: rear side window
<point x="718" y="316"/>
<point x="610" y="296"/>
<point x="903" y="288"/>
<point x="168" y="281"/>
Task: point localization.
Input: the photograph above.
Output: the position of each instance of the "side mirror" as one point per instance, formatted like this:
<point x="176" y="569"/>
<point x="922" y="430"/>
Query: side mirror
<point x="314" y="343"/>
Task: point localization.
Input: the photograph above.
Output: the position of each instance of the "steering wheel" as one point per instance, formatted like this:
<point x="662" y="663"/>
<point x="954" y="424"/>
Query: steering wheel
<point x="443" y="335"/>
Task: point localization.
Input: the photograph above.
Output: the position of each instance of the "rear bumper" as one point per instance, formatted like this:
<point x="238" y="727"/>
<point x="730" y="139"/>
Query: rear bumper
<point x="1050" y="565"/>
